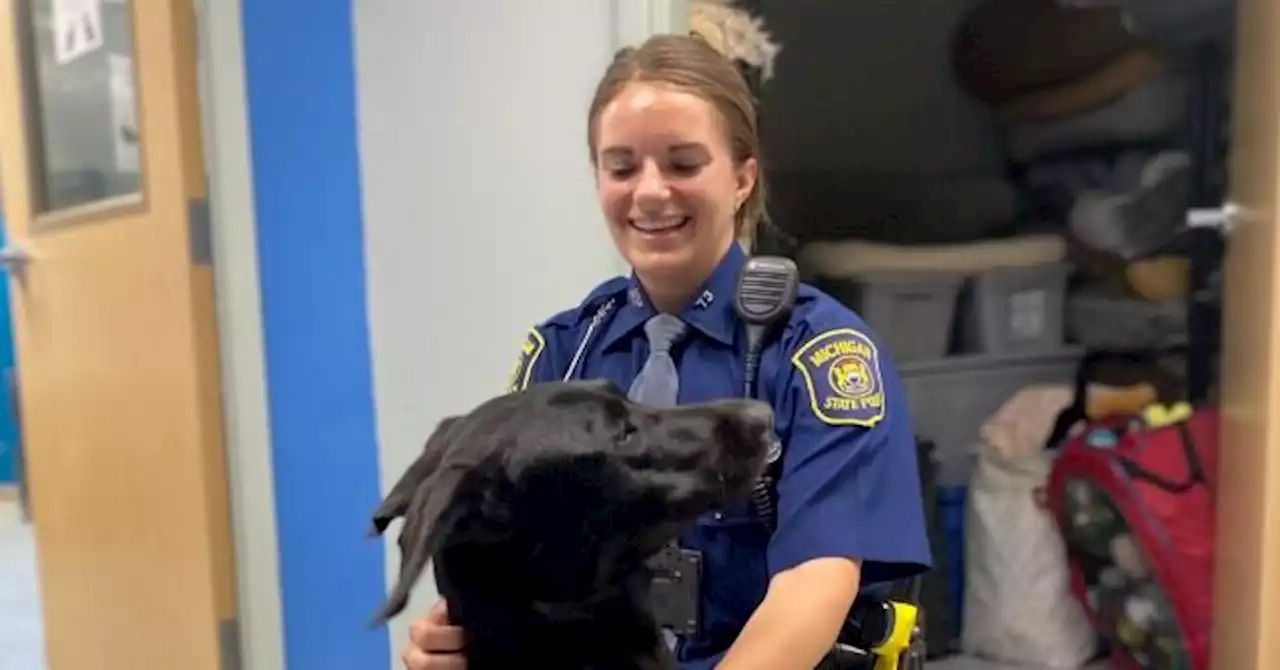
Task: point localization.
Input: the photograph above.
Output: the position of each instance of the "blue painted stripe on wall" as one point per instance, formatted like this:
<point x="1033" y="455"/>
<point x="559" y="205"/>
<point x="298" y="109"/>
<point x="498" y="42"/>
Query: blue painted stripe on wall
<point x="300" y="86"/>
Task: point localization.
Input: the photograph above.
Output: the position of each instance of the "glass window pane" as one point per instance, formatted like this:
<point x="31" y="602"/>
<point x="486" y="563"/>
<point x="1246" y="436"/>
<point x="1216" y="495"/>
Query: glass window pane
<point x="81" y="101"/>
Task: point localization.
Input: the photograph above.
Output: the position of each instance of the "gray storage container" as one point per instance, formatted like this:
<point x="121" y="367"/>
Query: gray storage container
<point x="911" y="312"/>
<point x="951" y="398"/>
<point x="1009" y="309"/>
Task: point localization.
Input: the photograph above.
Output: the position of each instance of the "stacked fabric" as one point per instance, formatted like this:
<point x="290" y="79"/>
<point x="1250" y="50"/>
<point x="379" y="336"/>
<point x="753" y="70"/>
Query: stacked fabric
<point x="1092" y="99"/>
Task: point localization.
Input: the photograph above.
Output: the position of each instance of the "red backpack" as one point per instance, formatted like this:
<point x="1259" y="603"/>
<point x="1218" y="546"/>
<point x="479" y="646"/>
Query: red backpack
<point x="1134" y="499"/>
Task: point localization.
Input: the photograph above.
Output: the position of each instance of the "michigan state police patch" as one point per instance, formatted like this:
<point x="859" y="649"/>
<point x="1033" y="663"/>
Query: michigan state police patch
<point x="532" y="347"/>
<point x="841" y="368"/>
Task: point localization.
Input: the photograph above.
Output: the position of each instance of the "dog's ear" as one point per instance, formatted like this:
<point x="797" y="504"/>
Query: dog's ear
<point x="398" y="499"/>
<point x="431" y="517"/>
<point x="423" y="497"/>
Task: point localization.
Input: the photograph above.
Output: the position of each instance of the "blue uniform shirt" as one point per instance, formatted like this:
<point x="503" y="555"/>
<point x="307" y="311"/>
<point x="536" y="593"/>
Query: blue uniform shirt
<point x="849" y="484"/>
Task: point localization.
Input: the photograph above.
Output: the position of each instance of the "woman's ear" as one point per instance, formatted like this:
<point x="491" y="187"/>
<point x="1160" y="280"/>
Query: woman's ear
<point x="747" y="175"/>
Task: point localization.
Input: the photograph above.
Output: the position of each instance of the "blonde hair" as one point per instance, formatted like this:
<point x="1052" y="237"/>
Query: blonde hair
<point x="691" y="64"/>
<point x="735" y="33"/>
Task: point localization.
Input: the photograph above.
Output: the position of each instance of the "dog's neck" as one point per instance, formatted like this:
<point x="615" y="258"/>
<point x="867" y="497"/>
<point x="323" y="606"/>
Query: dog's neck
<point x="507" y="625"/>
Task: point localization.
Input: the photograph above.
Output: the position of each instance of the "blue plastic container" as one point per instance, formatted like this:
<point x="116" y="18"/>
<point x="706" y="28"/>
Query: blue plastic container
<point x="951" y="505"/>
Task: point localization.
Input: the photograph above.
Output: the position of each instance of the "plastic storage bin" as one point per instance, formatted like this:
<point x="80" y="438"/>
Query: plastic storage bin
<point x="1015" y="309"/>
<point x="951" y="398"/>
<point x="911" y="312"/>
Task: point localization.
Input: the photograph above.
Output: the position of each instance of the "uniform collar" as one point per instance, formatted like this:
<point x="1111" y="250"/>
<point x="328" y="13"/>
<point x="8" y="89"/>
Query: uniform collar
<point x="710" y="311"/>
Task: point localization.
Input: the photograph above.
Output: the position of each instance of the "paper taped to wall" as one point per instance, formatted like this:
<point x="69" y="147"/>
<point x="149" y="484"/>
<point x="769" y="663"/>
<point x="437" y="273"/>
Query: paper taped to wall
<point x="77" y="29"/>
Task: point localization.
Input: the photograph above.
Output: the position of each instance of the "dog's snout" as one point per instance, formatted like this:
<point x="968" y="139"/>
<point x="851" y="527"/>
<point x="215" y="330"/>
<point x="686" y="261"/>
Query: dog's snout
<point x="756" y="415"/>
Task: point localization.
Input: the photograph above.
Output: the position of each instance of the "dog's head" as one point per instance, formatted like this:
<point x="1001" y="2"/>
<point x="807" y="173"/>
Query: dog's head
<point x="572" y="483"/>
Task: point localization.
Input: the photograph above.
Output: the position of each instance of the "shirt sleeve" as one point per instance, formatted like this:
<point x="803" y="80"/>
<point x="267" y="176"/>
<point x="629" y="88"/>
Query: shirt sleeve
<point x="537" y="360"/>
<point x="850" y="485"/>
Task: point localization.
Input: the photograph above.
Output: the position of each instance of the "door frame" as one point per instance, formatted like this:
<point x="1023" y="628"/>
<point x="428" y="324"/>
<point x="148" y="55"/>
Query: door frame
<point x="1246" y="612"/>
<point x="222" y="67"/>
<point x="635" y="20"/>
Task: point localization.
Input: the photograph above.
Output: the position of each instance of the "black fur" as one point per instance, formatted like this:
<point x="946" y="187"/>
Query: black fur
<point x="539" y="509"/>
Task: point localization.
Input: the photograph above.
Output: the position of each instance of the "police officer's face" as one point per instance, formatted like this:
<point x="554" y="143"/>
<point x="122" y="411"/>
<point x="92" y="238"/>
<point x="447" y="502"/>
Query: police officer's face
<point x="667" y="182"/>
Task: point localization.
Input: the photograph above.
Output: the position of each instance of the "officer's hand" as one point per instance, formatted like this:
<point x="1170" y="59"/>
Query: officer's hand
<point x="433" y="643"/>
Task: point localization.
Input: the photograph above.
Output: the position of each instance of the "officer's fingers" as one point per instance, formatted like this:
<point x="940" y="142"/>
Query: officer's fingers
<point x="435" y="637"/>
<point x="417" y="659"/>
<point x="439" y="613"/>
<point x="414" y="658"/>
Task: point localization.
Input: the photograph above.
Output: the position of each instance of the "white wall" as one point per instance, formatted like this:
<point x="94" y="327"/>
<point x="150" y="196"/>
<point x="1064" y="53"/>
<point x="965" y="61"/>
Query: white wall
<point x="480" y="216"/>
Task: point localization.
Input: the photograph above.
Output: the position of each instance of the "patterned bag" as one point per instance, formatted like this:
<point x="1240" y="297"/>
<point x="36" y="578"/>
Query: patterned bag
<point x="1134" y="499"/>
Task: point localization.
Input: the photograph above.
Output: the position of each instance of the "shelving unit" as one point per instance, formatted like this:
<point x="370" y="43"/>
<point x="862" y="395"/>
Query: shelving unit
<point x="1207" y="143"/>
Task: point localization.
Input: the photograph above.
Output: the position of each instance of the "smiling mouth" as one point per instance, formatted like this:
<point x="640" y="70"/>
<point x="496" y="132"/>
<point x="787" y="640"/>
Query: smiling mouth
<point x="660" y="226"/>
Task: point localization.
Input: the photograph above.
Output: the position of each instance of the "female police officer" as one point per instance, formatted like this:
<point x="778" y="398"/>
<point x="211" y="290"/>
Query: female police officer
<point x="672" y="135"/>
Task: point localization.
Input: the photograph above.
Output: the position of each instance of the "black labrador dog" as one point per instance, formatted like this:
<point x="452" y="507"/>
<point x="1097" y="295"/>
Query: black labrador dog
<point x="539" y="510"/>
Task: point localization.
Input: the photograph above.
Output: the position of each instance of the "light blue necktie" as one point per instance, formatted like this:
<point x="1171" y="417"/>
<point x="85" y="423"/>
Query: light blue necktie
<point x="658" y="383"/>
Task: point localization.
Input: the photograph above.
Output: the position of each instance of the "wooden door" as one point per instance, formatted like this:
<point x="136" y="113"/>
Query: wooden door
<point x="104" y="188"/>
<point x="1247" y="579"/>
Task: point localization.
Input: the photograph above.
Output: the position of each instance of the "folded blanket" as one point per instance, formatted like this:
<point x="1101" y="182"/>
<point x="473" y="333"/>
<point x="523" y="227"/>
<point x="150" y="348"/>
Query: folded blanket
<point x="1090" y="92"/>
<point x="1152" y="111"/>
<point x="1005" y="48"/>
<point x="1139" y="220"/>
<point x="850" y="258"/>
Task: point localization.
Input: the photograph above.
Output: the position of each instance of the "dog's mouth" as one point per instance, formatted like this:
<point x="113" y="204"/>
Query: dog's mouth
<point x="751" y="447"/>
<point x="738" y="477"/>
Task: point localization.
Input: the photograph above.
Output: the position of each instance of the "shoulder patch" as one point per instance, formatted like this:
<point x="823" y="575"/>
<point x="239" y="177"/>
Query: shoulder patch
<point x="532" y="347"/>
<point x="841" y="369"/>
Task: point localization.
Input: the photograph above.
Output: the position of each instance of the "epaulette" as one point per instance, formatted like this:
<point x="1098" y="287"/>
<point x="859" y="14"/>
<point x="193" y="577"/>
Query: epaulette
<point x="613" y="289"/>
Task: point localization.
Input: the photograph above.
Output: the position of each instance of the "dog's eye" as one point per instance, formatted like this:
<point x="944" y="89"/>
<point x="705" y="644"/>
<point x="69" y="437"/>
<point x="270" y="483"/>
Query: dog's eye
<point x="628" y="432"/>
